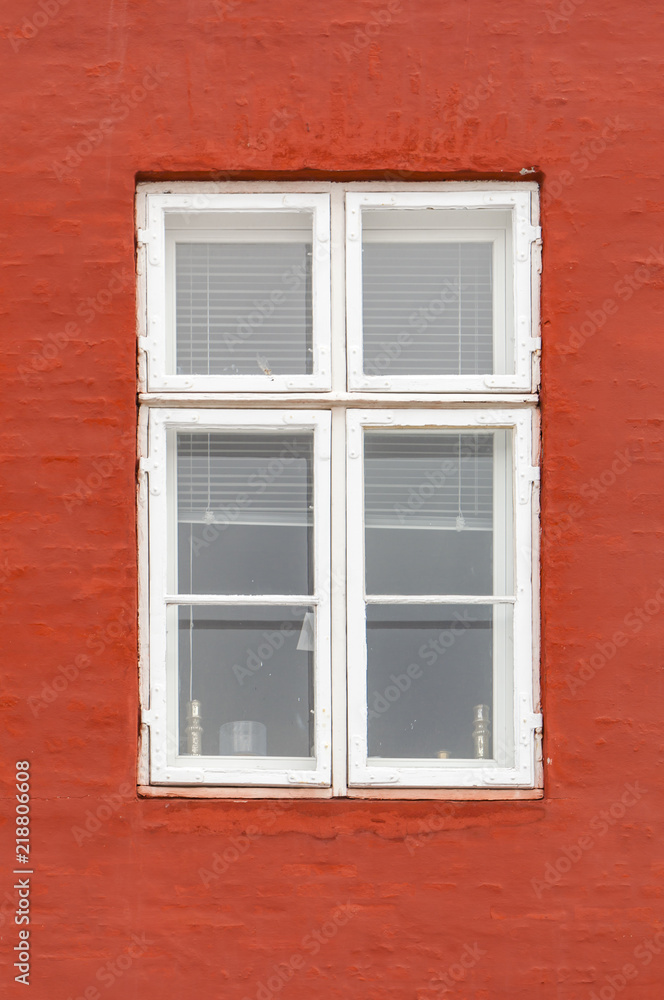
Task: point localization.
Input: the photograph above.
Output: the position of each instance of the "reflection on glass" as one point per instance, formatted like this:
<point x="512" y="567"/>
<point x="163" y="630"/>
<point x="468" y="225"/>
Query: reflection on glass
<point x="251" y="671"/>
<point x="245" y="508"/>
<point x="243" y="308"/>
<point x="431" y="503"/>
<point x="427" y="308"/>
<point x="428" y="670"/>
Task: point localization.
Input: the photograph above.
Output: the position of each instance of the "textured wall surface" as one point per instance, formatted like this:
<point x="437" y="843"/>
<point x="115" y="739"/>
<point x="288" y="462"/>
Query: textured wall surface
<point x="555" y="898"/>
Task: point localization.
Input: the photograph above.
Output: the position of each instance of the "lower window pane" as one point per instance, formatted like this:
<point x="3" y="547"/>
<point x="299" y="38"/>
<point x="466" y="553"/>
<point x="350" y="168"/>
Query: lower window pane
<point x="437" y="681"/>
<point x="246" y="675"/>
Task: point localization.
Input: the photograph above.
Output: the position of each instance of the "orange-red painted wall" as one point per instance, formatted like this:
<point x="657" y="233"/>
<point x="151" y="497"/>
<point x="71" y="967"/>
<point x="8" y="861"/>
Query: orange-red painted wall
<point x="540" y="899"/>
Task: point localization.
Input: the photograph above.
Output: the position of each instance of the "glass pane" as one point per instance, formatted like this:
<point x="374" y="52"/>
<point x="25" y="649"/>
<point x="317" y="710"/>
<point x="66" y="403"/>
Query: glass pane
<point x="245" y="513"/>
<point x="430" y="679"/>
<point x="250" y="670"/>
<point x="427" y="308"/>
<point x="438" y="512"/>
<point x="243" y="308"/>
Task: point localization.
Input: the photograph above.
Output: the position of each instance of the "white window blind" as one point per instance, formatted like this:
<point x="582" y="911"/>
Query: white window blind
<point x="431" y="481"/>
<point x="253" y="478"/>
<point x="243" y="308"/>
<point x="437" y="298"/>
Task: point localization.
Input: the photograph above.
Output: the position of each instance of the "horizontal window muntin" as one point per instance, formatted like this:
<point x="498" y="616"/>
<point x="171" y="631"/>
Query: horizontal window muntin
<point x="429" y="648"/>
<point x="240" y="658"/>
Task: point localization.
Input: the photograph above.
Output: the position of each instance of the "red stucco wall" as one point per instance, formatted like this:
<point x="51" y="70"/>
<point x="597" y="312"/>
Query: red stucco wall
<point x="547" y="899"/>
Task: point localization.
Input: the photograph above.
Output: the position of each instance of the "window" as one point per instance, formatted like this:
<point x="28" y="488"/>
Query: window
<point x="338" y="496"/>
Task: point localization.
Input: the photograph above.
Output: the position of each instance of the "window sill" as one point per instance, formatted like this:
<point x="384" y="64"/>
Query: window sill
<point x="245" y="794"/>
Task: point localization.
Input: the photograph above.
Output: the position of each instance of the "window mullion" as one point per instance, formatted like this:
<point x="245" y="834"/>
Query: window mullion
<point x="338" y="577"/>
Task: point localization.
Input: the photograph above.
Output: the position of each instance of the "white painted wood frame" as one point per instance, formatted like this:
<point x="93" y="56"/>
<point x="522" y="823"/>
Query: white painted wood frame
<point x="158" y="344"/>
<point x="514" y="682"/>
<point x="513" y="286"/>
<point x="335" y="402"/>
<point x="167" y="765"/>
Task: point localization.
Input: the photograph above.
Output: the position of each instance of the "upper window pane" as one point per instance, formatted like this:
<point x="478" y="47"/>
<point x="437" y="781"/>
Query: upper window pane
<point x="434" y="301"/>
<point x="243" y="293"/>
<point x="243" y="309"/>
<point x="439" y="290"/>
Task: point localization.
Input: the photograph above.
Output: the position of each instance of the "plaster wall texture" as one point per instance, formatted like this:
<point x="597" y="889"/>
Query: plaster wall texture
<point x="486" y="900"/>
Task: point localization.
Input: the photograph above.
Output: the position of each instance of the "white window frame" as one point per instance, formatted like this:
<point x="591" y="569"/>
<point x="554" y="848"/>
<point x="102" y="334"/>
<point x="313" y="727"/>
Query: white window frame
<point x="158" y="343"/>
<point x="517" y="742"/>
<point x="516" y="311"/>
<point x="340" y="395"/>
<point x="167" y="764"/>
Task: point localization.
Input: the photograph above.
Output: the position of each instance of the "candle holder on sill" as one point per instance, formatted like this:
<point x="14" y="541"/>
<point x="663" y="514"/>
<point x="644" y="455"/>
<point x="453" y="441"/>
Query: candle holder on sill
<point x="482" y="732"/>
<point x="194" y="729"/>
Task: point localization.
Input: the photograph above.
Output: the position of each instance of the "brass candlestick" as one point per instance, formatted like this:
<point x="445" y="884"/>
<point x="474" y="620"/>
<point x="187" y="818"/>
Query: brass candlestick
<point x="194" y="729"/>
<point x="481" y="731"/>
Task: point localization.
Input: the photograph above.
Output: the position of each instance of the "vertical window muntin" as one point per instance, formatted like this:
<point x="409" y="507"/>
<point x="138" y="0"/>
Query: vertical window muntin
<point x="169" y="762"/>
<point x="511" y="762"/>
<point x="265" y="219"/>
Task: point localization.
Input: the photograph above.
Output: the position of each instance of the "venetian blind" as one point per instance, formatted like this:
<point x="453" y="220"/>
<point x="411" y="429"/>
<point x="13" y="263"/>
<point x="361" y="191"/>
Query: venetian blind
<point x="428" y="480"/>
<point x="244" y="478"/>
<point x="427" y="308"/>
<point x="243" y="308"/>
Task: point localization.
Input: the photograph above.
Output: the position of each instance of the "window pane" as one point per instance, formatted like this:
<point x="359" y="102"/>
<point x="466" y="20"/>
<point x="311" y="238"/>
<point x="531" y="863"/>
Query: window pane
<point x="431" y="674"/>
<point x="438" y="512"/>
<point x="248" y="665"/>
<point x="427" y="308"/>
<point x="243" y="308"/>
<point x="245" y="513"/>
